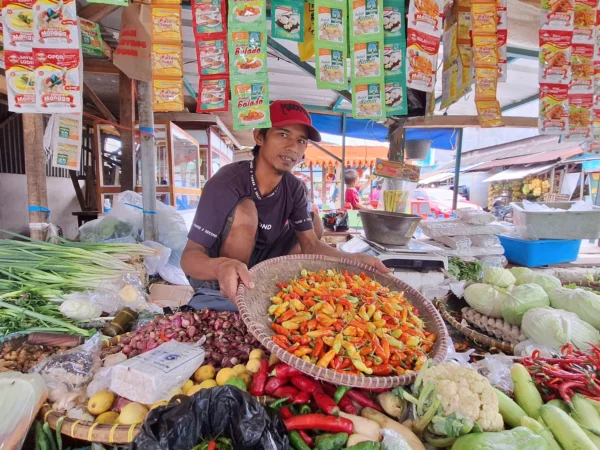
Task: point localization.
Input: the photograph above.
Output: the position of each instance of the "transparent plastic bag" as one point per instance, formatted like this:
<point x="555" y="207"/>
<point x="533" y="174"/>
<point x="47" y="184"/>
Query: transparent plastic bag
<point x="485" y="240"/>
<point x="496" y="369"/>
<point x="527" y="347"/>
<point x="113" y="296"/>
<point x="394" y="441"/>
<point x="21" y="397"/>
<point x="174" y="275"/>
<point x="405" y="187"/>
<point x="155" y="263"/>
<point x="155" y="375"/>
<point x="474" y="216"/>
<point x="462" y="359"/>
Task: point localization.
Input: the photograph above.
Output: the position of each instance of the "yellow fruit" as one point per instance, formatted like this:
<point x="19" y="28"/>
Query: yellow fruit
<point x="273" y="360"/>
<point x="176" y="392"/>
<point x="253" y="366"/>
<point x="157" y="404"/>
<point x="194" y="389"/>
<point x="239" y="369"/>
<point x="247" y="377"/>
<point x="224" y="375"/>
<point x="108" y="417"/>
<point x="133" y="413"/>
<point x="207" y="384"/>
<point x="186" y="386"/>
<point x="100" y="402"/>
<point x="257" y="353"/>
<point x="204" y="373"/>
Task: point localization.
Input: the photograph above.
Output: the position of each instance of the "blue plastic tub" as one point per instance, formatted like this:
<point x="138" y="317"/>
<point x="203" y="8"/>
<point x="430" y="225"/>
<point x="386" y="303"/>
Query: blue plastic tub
<point x="539" y="253"/>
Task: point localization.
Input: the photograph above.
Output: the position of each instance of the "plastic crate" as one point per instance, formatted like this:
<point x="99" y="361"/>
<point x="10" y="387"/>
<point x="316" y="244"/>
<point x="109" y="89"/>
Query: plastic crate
<point x="539" y="253"/>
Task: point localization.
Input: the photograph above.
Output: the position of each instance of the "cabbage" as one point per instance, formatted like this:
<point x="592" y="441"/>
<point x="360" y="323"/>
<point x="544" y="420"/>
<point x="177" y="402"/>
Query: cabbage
<point x="584" y="303"/>
<point x="521" y="299"/>
<point x="498" y="277"/>
<point x="547" y="282"/>
<point x="556" y="327"/>
<point x="519" y="272"/>
<point x="485" y="299"/>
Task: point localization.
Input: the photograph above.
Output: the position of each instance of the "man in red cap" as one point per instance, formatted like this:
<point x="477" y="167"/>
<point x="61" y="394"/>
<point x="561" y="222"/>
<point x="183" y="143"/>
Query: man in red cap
<point x="251" y="211"/>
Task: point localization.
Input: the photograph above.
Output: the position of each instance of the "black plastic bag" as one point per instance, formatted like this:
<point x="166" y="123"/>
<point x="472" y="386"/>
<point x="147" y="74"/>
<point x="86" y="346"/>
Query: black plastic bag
<point x="222" y="411"/>
<point x="336" y="220"/>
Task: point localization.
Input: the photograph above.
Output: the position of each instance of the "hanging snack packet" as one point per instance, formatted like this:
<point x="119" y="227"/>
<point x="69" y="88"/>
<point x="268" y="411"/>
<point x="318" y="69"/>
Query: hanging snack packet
<point x="306" y="49"/>
<point x="395" y="97"/>
<point x="55" y="24"/>
<point x="17" y="17"/>
<point x="484" y="17"/>
<point x="2" y="63"/>
<point x="584" y="22"/>
<point x="502" y="54"/>
<point x="426" y="16"/>
<point x="57" y="80"/>
<point x="489" y="113"/>
<point x="485" y="50"/>
<point x="555" y="57"/>
<point x="422" y="54"/>
<point x="212" y="56"/>
<point x="393" y="58"/>
<point x="366" y="60"/>
<point x="451" y="79"/>
<point x="366" y="19"/>
<point x="167" y="60"/>
<point x="554" y="109"/>
<point x="331" y="22"/>
<point x="247" y="52"/>
<point x="91" y="38"/>
<point x="393" y="19"/>
<point x="167" y="95"/>
<point x="247" y="15"/>
<point x="208" y="16"/>
<point x="557" y="15"/>
<point x="486" y="82"/>
<point x="580" y="117"/>
<point x="368" y="100"/>
<point x="20" y="81"/>
<point x="250" y="102"/>
<point x="331" y="69"/>
<point x="213" y="94"/>
<point x="287" y="20"/>
<point x="166" y="24"/>
<point x="582" y="69"/>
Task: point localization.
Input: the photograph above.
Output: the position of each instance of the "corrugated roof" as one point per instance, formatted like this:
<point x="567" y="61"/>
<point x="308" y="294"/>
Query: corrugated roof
<point x="517" y="173"/>
<point x="553" y="155"/>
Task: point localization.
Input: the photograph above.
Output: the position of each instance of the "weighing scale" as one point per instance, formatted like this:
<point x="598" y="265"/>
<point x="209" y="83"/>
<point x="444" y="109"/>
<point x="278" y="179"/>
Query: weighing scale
<point x="416" y="255"/>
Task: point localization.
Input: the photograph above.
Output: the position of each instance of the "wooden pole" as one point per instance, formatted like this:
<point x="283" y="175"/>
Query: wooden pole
<point x="324" y="186"/>
<point x="312" y="183"/>
<point x="35" y="169"/>
<point x="127" y="120"/>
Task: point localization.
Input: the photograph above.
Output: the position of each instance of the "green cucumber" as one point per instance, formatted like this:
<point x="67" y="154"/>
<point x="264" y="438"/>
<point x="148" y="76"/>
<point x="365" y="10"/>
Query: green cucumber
<point x="526" y="394"/>
<point x="509" y="410"/>
<point x="567" y="432"/>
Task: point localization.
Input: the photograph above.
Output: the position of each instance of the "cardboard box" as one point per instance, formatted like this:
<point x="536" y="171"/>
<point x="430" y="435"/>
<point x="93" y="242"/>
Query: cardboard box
<point x="172" y="296"/>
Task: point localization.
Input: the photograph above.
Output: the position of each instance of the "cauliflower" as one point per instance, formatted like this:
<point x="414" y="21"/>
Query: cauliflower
<point x="450" y="401"/>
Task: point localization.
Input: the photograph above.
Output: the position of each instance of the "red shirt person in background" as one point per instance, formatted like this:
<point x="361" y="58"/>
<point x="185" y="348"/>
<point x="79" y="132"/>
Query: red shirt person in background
<point x="352" y="197"/>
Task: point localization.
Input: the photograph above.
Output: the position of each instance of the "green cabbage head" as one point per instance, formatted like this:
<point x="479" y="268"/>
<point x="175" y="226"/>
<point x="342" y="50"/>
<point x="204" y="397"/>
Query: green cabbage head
<point x="521" y="299"/>
<point x="498" y="277"/>
<point x="547" y="282"/>
<point x="485" y="299"/>
<point x="584" y="303"/>
<point x="519" y="272"/>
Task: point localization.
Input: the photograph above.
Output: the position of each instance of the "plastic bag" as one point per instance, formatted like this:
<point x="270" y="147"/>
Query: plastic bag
<point x="73" y="368"/>
<point x="496" y="369"/>
<point x="527" y="347"/>
<point x="221" y="411"/>
<point x="154" y="376"/>
<point x="21" y="396"/>
<point x="394" y="441"/>
<point x="462" y="358"/>
<point x="406" y="187"/>
<point x="173" y="275"/>
<point x="113" y="296"/>
<point x="474" y="216"/>
<point x="336" y="220"/>
<point x="155" y="263"/>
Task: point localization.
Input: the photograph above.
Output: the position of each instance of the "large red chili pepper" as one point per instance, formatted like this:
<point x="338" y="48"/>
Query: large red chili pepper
<point x="345" y="403"/>
<point x="326" y="403"/>
<point x="304" y="383"/>
<point x="564" y="390"/>
<point x="285" y="414"/>
<point x="285" y="391"/>
<point x="274" y="383"/>
<point x="257" y="386"/>
<point x="363" y="400"/>
<point x="284" y="371"/>
<point x="212" y="445"/>
<point x="319" y="422"/>
<point x="301" y="398"/>
<point x="382" y="369"/>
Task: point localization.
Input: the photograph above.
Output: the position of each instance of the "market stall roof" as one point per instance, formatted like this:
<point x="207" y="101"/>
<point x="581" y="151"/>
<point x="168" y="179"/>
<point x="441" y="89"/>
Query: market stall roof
<point x="436" y="178"/>
<point x="552" y="155"/>
<point x="355" y="155"/>
<point x="517" y="173"/>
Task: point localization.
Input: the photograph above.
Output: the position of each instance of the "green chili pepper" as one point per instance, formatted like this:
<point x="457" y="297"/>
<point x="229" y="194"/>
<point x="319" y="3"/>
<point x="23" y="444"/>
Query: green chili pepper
<point x="59" y="424"/>
<point x="40" y="436"/>
<point x="278" y="403"/>
<point x="339" y="394"/>
<point x="331" y="441"/>
<point x="367" y="445"/>
<point x="304" y="409"/>
<point x="297" y="442"/>
<point x="48" y="432"/>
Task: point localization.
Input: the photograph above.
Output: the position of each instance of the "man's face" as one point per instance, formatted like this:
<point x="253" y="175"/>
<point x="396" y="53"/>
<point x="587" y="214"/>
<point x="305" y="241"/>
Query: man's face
<point x="282" y="147"/>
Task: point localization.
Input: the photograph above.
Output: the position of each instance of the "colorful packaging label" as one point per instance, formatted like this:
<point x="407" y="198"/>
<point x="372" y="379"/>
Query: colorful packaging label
<point x="395" y="96"/>
<point x="557" y="15"/>
<point x="208" y="16"/>
<point x="426" y="16"/>
<point x="485" y="50"/>
<point x="66" y="153"/>
<point x="555" y="57"/>
<point x="55" y="24"/>
<point x="366" y="60"/>
<point x="582" y="69"/>
<point x="20" y="81"/>
<point x="247" y="53"/>
<point x="166" y="24"/>
<point x="368" y="100"/>
<point x="58" y="80"/>
<point x="486" y="82"/>
<point x="580" y="117"/>
<point x="502" y="54"/>
<point x="306" y="48"/>
<point x="393" y="169"/>
<point x="331" y="23"/>
<point x="554" y="109"/>
<point x="167" y="60"/>
<point x="250" y="103"/>
<point x="287" y="20"/>
<point x="167" y="95"/>
<point x="366" y="18"/>
<point x="213" y="94"/>
<point x="489" y="113"/>
<point x="331" y="69"/>
<point x="484" y="17"/>
<point x="393" y="20"/>
<point x="91" y="38"/>
<point x="584" y="22"/>
<point x="247" y="15"/>
<point x="17" y="17"/>
<point x="422" y="54"/>
<point x="393" y="58"/>
<point x="212" y="56"/>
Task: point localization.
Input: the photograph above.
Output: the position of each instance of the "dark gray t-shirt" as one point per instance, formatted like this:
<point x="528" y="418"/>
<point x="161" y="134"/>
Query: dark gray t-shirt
<point x="235" y="182"/>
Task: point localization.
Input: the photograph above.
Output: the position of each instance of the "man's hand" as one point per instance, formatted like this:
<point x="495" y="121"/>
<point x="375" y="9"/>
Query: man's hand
<point x="370" y="261"/>
<point x="231" y="272"/>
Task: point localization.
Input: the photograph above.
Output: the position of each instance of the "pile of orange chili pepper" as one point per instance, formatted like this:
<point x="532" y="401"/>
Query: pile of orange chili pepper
<point x="349" y="323"/>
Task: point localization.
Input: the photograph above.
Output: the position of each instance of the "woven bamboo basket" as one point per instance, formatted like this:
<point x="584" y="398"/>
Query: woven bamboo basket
<point x="253" y="305"/>
<point x="482" y="340"/>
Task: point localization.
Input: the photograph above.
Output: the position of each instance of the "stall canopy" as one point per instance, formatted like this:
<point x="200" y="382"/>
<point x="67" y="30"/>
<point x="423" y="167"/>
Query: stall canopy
<point x="437" y="178"/>
<point x="443" y="138"/>
<point x="356" y="155"/>
<point x="517" y="173"/>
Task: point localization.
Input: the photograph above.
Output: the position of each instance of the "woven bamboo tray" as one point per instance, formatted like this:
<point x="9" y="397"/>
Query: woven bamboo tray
<point x="450" y="305"/>
<point x="253" y="305"/>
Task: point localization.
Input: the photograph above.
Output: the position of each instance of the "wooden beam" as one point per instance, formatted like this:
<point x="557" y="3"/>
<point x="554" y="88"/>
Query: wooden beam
<point x="468" y="122"/>
<point x="35" y="169"/>
<point x="98" y="103"/>
<point x="97" y="11"/>
<point x="127" y="120"/>
<point x="78" y="191"/>
<point x="100" y="67"/>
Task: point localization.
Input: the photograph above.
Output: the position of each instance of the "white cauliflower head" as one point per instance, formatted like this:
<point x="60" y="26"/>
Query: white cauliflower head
<point x="466" y="393"/>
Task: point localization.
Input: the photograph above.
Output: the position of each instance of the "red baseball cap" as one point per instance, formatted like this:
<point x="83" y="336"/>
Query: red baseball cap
<point x="290" y="112"/>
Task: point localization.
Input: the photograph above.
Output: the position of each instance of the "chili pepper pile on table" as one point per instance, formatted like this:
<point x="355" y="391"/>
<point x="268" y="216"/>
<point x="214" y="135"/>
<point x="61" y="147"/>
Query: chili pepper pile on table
<point x="349" y="323"/>
<point x="574" y="372"/>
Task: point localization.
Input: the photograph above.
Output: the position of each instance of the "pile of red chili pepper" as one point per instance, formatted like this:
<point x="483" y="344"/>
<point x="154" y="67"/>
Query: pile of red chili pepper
<point x="349" y="323"/>
<point x="573" y="372"/>
<point x="312" y="405"/>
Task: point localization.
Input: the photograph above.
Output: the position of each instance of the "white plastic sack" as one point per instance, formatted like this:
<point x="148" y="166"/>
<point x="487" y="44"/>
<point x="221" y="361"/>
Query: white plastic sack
<point x="173" y="275"/>
<point x="155" y="263"/>
<point x="474" y="216"/>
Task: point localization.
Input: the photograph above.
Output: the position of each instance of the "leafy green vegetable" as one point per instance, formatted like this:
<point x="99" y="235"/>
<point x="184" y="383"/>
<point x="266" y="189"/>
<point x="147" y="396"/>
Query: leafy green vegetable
<point x="465" y="271"/>
<point x="521" y="299"/>
<point x="498" y="277"/>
